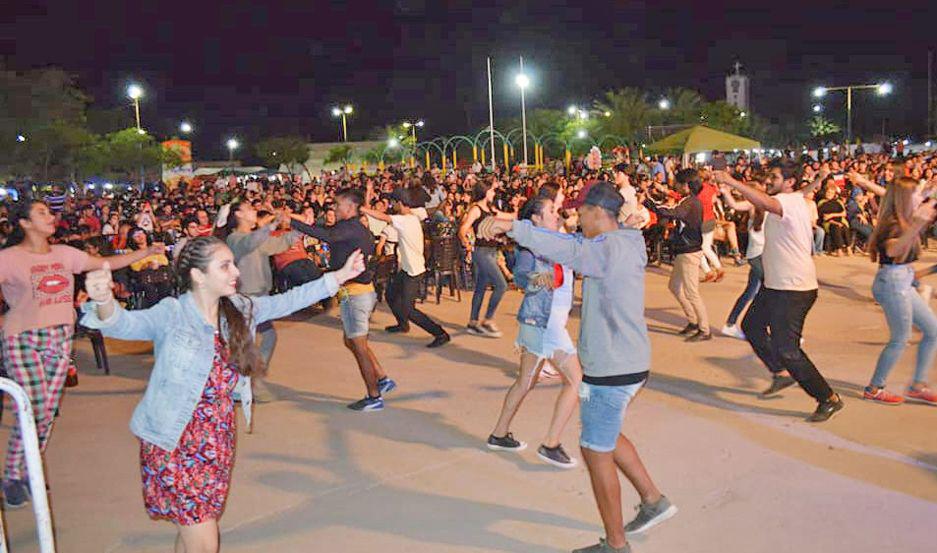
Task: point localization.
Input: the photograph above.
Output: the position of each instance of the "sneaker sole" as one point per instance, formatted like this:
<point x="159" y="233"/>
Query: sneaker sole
<point x="919" y="400"/>
<point x="11" y="507"/>
<point x="474" y="332"/>
<point x="659" y="519"/>
<point x="833" y="414"/>
<point x="494" y="447"/>
<point x="879" y="402"/>
<point x="573" y="463"/>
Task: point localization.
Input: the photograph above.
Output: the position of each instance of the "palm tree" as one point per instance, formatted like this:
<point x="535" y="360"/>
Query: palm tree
<point x="685" y="107"/>
<point x="628" y="112"/>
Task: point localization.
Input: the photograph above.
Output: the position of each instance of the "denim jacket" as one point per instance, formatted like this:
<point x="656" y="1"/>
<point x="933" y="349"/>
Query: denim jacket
<point x="183" y="344"/>
<point x="535" y="307"/>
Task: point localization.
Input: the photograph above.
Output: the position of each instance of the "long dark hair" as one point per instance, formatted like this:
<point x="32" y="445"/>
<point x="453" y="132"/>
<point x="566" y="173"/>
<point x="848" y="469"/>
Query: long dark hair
<point x="20" y="211"/>
<point x="197" y="254"/>
<point x="231" y="224"/>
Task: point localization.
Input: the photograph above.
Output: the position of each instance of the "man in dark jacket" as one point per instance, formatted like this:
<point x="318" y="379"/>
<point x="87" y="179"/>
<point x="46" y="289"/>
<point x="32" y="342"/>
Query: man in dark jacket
<point x="686" y="241"/>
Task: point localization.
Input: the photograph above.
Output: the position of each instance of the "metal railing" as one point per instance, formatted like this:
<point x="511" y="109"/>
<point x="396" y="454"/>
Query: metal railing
<point x="37" y="478"/>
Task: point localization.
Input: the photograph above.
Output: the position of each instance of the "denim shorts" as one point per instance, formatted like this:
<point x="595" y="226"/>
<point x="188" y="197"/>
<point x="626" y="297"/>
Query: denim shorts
<point x="602" y="411"/>
<point x="356" y="313"/>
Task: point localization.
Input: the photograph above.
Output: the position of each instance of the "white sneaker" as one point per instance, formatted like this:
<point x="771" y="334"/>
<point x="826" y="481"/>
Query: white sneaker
<point x="733" y="331"/>
<point x="491" y="330"/>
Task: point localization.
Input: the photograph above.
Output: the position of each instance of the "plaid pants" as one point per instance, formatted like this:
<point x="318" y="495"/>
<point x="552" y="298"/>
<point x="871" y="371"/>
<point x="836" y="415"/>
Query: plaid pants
<point x="38" y="361"/>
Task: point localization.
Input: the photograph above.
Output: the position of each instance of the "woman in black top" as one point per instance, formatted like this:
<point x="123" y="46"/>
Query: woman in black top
<point x="832" y="213"/>
<point x="895" y="244"/>
<point x="484" y="257"/>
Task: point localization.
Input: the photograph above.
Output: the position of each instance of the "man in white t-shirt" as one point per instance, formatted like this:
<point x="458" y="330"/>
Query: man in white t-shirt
<point x="402" y="291"/>
<point x="789" y="291"/>
<point x="628" y="193"/>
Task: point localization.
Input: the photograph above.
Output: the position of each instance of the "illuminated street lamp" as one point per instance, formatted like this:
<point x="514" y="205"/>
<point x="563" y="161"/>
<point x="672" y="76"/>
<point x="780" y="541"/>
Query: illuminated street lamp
<point x="817" y="108"/>
<point x="232" y="145"/>
<point x="185" y="127"/>
<point x="523" y="81"/>
<point x="664" y="104"/>
<point x="21" y="138"/>
<point x="343" y="113"/>
<point x="412" y="126"/>
<point x="882" y="89"/>
<point x="582" y="133"/>
<point x="135" y="92"/>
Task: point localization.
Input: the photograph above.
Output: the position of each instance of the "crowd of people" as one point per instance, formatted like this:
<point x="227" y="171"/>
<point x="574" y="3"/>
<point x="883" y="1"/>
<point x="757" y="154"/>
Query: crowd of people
<point x="203" y="269"/>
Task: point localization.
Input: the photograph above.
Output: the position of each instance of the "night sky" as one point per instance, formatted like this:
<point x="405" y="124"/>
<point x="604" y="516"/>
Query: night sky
<point x="255" y="68"/>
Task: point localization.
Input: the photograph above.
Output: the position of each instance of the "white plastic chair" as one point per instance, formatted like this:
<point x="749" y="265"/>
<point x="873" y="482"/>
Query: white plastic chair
<point x="37" y="478"/>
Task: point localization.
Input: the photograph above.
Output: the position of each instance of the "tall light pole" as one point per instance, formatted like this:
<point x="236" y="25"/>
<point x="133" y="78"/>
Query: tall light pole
<point x="232" y="145"/>
<point x="412" y="127"/>
<point x="343" y="113"/>
<point x="523" y="81"/>
<point x="135" y="92"/>
<point x="882" y="89"/>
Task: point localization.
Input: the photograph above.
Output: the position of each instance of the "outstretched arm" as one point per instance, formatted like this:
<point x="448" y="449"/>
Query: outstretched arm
<point x="756" y="197"/>
<point x="863" y="182"/>
<point x="587" y="257"/>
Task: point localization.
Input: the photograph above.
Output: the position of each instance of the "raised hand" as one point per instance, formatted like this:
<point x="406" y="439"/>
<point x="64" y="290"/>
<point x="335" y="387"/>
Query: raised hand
<point x="157" y="248"/>
<point x="353" y="267"/>
<point x="99" y="284"/>
<point x="925" y="212"/>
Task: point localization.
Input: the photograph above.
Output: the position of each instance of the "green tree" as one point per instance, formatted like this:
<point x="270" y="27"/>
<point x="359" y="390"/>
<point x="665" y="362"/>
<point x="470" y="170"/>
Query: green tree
<point x="338" y="154"/>
<point x="291" y="151"/>
<point x="724" y="117"/>
<point x="629" y="114"/>
<point x="821" y="127"/>
<point x="121" y="155"/>
<point x="685" y="107"/>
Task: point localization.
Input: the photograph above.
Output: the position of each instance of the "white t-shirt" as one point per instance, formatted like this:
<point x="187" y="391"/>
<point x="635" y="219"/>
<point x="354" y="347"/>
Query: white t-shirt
<point x="410" y="244"/>
<point x="756" y="239"/>
<point x="788" y="254"/>
<point x="631" y="202"/>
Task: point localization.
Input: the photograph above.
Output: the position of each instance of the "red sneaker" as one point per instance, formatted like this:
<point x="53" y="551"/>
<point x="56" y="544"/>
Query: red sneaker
<point x="924" y="395"/>
<point x="882" y="396"/>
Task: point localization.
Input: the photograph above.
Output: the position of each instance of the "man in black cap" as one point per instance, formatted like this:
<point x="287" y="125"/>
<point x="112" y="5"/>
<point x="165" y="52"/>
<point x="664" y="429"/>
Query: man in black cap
<point x="402" y="291"/>
<point x="614" y="349"/>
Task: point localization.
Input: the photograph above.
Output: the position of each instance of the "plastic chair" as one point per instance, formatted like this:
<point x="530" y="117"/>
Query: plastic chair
<point x="446" y="261"/>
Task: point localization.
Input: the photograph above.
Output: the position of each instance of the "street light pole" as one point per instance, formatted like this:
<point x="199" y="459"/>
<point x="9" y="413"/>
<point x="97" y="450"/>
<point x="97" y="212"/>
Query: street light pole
<point x="882" y="89"/>
<point x="522" y="82"/>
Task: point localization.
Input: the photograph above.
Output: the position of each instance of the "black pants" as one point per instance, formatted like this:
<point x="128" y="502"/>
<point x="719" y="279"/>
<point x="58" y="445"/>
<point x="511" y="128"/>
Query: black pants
<point x="299" y="272"/>
<point x="401" y="296"/>
<point x="782" y="312"/>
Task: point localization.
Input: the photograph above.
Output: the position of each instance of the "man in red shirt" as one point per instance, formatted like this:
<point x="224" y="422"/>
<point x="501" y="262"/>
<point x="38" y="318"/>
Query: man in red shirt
<point x="709" y="263"/>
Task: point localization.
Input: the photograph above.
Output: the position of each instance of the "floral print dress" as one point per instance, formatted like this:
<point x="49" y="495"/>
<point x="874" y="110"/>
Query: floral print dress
<point x="190" y="484"/>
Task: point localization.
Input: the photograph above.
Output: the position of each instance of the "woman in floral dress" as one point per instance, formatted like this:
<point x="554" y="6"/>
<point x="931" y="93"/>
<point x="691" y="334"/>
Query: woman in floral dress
<point x="205" y="352"/>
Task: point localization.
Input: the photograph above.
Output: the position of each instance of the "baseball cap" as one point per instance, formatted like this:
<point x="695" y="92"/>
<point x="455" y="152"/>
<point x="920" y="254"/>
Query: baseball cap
<point x="605" y="195"/>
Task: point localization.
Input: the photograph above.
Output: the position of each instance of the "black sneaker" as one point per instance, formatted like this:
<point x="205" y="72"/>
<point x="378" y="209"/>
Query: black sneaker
<point x="556" y="456"/>
<point x="395" y="329"/>
<point x="826" y="409"/>
<point x="15" y="494"/>
<point x="368" y="403"/>
<point x="505" y="443"/>
<point x="700" y="336"/>
<point x="440" y="340"/>
<point x="474" y="329"/>
<point x="689" y="329"/>
<point x="778" y="383"/>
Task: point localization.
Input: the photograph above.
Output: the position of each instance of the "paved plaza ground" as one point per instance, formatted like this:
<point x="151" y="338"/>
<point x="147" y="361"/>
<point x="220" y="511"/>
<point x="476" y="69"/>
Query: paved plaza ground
<point x="748" y="475"/>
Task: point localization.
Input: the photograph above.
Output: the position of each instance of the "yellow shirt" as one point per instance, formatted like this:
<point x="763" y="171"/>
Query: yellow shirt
<point x="144" y="263"/>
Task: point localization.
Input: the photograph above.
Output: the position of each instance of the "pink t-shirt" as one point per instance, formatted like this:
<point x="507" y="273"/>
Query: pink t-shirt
<point x="39" y="288"/>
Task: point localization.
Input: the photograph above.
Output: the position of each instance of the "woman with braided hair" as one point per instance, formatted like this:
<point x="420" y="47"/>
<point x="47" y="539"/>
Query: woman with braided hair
<point x="205" y="352"/>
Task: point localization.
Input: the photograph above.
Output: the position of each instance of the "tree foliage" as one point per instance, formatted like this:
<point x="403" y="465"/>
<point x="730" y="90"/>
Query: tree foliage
<point x="275" y="151"/>
<point x="338" y="154"/>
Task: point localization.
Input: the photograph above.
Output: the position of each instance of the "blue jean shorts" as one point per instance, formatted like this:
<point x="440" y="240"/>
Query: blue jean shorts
<point x="356" y="314"/>
<point x="602" y="411"/>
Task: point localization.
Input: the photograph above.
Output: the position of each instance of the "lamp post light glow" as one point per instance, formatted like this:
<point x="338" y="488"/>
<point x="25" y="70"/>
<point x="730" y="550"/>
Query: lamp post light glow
<point x="135" y="92"/>
<point x="582" y="133"/>
<point x="343" y="113"/>
<point x="185" y="127"/>
<point x="607" y="114"/>
<point x="882" y="89"/>
<point x="817" y="108"/>
<point x="664" y="104"/>
<point x="523" y="81"/>
<point x="412" y="126"/>
<point x="20" y="138"/>
<point x="571" y="110"/>
<point x="232" y="145"/>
